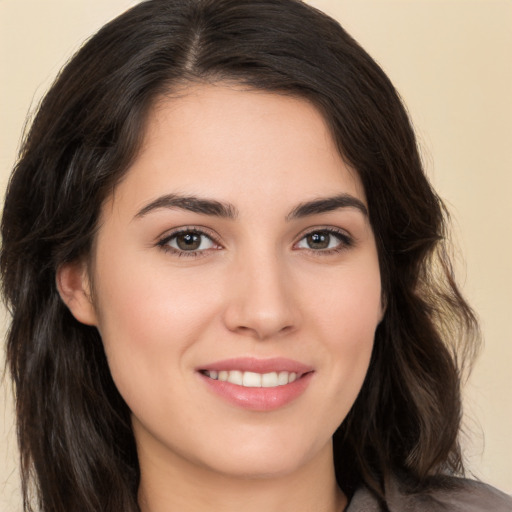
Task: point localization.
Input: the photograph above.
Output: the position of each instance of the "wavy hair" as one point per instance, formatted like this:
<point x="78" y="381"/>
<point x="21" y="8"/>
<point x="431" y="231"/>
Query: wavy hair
<point x="76" y="443"/>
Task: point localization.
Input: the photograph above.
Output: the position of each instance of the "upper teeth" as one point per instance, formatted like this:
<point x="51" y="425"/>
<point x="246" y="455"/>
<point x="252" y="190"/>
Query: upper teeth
<point x="252" y="379"/>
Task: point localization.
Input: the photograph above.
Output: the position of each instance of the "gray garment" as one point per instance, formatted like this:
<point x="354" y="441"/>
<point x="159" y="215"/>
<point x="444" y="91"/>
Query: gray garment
<point x="459" y="496"/>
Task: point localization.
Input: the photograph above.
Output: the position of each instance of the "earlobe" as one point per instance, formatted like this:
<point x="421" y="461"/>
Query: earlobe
<point x="74" y="289"/>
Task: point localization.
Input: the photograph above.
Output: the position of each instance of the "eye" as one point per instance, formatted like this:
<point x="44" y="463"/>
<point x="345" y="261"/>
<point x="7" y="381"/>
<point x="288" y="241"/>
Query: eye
<point x="324" y="240"/>
<point x="188" y="241"/>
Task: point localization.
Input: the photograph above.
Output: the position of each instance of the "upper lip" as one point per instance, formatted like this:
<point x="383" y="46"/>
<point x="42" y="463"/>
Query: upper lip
<point x="252" y="364"/>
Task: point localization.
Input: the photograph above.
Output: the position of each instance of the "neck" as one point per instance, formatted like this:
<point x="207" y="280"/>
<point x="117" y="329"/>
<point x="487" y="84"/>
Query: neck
<point x="189" y="488"/>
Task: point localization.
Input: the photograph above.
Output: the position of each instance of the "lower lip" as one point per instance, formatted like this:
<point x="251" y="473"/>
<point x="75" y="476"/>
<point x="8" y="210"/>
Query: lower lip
<point x="259" y="399"/>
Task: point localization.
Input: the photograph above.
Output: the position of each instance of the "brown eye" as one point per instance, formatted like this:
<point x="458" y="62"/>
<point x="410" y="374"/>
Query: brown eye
<point x="325" y="240"/>
<point x="318" y="240"/>
<point x="188" y="241"/>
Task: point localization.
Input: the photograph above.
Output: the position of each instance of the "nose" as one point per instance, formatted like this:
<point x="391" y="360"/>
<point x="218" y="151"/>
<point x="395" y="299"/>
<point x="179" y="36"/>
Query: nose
<point x="261" y="302"/>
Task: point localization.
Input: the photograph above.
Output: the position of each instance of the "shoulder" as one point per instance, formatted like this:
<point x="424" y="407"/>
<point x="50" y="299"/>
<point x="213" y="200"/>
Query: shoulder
<point x="448" y="495"/>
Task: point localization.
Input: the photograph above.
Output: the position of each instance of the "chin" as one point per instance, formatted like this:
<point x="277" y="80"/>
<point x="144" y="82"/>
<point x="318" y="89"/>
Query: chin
<point x="257" y="468"/>
<point x="265" y="460"/>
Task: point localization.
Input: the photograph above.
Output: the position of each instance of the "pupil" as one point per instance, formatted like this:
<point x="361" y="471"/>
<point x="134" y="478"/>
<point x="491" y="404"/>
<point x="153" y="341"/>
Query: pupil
<point x="188" y="241"/>
<point x="318" y="240"/>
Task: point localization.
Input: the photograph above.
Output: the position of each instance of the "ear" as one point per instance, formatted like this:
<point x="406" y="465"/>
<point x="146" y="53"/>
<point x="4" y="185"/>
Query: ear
<point x="75" y="290"/>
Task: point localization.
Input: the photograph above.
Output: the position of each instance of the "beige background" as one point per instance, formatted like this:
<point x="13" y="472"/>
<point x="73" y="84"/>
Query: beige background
<point x="451" y="60"/>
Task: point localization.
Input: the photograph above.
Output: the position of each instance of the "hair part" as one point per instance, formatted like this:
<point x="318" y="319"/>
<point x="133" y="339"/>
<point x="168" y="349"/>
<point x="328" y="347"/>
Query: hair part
<point x="74" y="429"/>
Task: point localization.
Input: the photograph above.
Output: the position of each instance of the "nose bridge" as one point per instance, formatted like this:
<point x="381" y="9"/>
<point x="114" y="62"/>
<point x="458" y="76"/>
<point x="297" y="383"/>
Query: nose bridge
<point x="260" y="301"/>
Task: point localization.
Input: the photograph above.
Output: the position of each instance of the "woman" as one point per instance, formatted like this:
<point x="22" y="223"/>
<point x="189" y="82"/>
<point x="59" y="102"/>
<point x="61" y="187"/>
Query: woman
<point x="185" y="335"/>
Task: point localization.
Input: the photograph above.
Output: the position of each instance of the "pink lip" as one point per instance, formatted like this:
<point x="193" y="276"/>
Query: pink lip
<point x="258" y="399"/>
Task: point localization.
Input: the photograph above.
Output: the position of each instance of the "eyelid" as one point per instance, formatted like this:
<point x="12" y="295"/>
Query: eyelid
<point x="201" y="230"/>
<point x="163" y="240"/>
<point x="346" y="239"/>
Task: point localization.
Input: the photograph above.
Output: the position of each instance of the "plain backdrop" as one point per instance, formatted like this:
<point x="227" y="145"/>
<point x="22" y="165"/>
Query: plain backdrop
<point x="451" y="61"/>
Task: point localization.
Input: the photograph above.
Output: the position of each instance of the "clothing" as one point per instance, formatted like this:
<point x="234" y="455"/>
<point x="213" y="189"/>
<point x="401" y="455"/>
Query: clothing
<point x="459" y="495"/>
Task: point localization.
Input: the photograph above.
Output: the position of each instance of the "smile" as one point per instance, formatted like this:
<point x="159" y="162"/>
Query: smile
<point x="257" y="384"/>
<point x="252" y="379"/>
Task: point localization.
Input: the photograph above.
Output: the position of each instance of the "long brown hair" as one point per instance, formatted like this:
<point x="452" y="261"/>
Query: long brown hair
<point x="74" y="431"/>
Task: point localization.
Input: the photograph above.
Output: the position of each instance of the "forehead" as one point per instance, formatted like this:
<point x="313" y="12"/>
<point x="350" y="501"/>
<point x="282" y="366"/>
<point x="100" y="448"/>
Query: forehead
<point x="236" y="144"/>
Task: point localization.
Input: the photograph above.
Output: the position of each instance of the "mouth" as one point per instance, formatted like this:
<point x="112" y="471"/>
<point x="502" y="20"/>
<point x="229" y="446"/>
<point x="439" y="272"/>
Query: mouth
<point x="257" y="384"/>
<point x="249" y="379"/>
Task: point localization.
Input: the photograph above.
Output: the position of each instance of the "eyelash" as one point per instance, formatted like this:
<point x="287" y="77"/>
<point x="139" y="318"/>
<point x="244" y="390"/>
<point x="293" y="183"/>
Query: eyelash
<point x="345" y="242"/>
<point x="164" y="242"/>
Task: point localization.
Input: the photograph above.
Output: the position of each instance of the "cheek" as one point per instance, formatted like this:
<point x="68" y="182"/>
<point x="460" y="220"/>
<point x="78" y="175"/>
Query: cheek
<point x="347" y="316"/>
<point x="148" y="305"/>
<point x="148" y="322"/>
<point x="350" y="307"/>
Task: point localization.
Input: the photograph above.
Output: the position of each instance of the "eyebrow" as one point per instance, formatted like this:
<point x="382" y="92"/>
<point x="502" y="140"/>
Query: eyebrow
<point x="192" y="204"/>
<point x="228" y="211"/>
<point x="327" y="204"/>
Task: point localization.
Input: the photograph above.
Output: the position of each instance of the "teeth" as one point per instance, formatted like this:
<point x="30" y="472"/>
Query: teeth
<point x="282" y="378"/>
<point x="270" y="380"/>
<point x="252" y="379"/>
<point x="235" y="377"/>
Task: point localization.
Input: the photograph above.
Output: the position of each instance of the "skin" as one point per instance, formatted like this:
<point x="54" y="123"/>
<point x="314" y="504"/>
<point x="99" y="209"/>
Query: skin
<point x="256" y="287"/>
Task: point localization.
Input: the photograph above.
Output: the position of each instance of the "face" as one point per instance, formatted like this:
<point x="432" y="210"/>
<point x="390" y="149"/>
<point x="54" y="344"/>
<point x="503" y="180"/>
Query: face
<point x="236" y="284"/>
